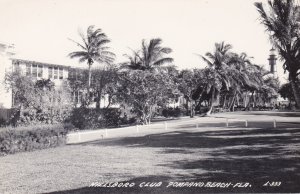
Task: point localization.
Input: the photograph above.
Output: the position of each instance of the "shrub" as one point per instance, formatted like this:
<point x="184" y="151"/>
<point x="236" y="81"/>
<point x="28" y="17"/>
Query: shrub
<point x="203" y="109"/>
<point x="2" y="122"/>
<point x="84" y="118"/>
<point x="172" y="112"/>
<point x="21" y="139"/>
<point x="38" y="101"/>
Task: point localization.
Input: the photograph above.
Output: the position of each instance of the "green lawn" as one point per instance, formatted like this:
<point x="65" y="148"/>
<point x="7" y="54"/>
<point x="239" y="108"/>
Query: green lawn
<point x="212" y="152"/>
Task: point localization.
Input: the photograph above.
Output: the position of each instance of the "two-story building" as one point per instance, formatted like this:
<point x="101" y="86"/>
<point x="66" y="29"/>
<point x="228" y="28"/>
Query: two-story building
<point x="34" y="69"/>
<point x="37" y="70"/>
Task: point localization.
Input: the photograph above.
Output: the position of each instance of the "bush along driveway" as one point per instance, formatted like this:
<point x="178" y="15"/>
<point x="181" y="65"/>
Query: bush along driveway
<point x="31" y="138"/>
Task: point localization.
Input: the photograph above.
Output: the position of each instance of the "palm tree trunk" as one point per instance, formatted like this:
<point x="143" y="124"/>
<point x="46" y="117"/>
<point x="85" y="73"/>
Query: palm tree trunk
<point x="231" y="108"/>
<point x="152" y="110"/>
<point x="232" y="101"/>
<point x="245" y="98"/>
<point x="248" y="104"/>
<point x="211" y="102"/>
<point x="98" y="100"/>
<point x="144" y="118"/>
<point x="255" y="99"/>
<point x="296" y="91"/>
<point x="224" y="102"/>
<point x="90" y="75"/>
<point x="187" y="105"/>
<point x="197" y="107"/>
<point x="192" y="109"/>
<point x="89" y="83"/>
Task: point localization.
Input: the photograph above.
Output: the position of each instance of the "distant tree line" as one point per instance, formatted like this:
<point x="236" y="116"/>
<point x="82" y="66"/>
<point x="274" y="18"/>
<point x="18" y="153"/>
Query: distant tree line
<point x="149" y="81"/>
<point x="146" y="83"/>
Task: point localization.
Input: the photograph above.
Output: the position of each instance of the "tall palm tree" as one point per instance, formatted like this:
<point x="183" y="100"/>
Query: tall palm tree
<point x="218" y="69"/>
<point x="240" y="78"/>
<point x="283" y="23"/>
<point x="151" y="55"/>
<point x="93" y="48"/>
<point x="255" y="74"/>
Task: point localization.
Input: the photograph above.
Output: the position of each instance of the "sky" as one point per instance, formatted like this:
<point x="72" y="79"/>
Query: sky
<point x="40" y="29"/>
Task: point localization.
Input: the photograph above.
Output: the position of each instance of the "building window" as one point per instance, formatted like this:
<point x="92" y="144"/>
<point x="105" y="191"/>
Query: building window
<point x="79" y="75"/>
<point x="16" y="66"/>
<point x="34" y="70"/>
<point x="40" y="71"/>
<point x="61" y="73"/>
<point x="55" y="72"/>
<point x="28" y="69"/>
<point x="50" y="72"/>
<point x="71" y="74"/>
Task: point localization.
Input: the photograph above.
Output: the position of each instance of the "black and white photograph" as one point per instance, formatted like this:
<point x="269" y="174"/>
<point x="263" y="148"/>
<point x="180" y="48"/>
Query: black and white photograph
<point x="149" y="96"/>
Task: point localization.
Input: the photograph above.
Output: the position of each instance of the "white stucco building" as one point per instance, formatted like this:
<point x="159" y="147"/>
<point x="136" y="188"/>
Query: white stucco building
<point x="6" y="52"/>
<point x="34" y="69"/>
<point x="37" y="70"/>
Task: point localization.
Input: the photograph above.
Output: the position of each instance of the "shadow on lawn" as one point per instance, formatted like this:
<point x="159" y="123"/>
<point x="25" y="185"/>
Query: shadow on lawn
<point x="232" y="155"/>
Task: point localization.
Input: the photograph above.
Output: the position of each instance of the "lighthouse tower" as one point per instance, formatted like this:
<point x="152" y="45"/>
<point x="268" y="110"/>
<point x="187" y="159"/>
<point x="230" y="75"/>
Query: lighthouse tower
<point x="272" y="62"/>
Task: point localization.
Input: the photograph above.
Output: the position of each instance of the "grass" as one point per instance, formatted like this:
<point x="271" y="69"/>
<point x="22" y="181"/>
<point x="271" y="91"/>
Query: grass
<point x="255" y="154"/>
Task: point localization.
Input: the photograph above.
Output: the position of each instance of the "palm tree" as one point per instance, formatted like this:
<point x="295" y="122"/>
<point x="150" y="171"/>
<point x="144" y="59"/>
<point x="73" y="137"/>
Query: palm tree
<point x="217" y="71"/>
<point x="255" y="74"/>
<point x="240" y="78"/>
<point x="93" y="49"/>
<point x="151" y="55"/>
<point x="283" y="24"/>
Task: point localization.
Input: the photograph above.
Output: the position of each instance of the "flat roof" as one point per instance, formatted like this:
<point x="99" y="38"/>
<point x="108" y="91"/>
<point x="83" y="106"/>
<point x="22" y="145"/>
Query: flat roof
<point x="37" y="62"/>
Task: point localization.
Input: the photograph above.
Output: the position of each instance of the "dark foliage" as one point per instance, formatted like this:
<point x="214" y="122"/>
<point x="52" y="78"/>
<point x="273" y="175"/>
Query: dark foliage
<point x="286" y="91"/>
<point x="172" y="112"/>
<point x="22" y="139"/>
<point x="3" y="122"/>
<point x="84" y="118"/>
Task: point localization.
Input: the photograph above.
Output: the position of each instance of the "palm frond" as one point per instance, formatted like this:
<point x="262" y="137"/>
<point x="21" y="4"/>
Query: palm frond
<point x="77" y="54"/>
<point x="78" y="44"/>
<point x="163" y="61"/>
<point x="150" y="55"/>
<point x="94" y="49"/>
<point x="210" y="64"/>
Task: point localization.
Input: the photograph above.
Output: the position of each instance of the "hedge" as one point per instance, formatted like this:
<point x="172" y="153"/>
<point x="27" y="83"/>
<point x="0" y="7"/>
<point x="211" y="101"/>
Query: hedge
<point x="22" y="139"/>
<point x="84" y="118"/>
<point x="172" y="112"/>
